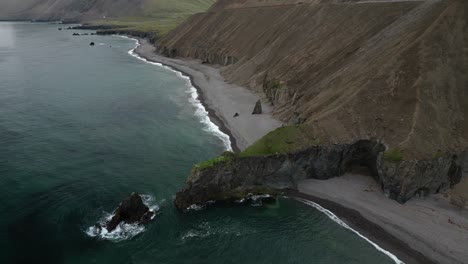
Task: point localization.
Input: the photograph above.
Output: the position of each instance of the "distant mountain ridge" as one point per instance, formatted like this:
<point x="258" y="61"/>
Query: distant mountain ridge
<point x="94" y="9"/>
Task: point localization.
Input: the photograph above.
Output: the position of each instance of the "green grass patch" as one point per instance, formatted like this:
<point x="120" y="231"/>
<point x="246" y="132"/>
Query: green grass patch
<point x="393" y="155"/>
<point x="282" y="140"/>
<point x="225" y="157"/>
<point x="276" y="84"/>
<point x="158" y="17"/>
<point x="158" y="26"/>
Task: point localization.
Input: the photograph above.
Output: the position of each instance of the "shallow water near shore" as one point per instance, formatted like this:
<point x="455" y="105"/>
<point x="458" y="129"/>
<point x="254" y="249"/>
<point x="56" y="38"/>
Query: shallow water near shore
<point x="81" y="127"/>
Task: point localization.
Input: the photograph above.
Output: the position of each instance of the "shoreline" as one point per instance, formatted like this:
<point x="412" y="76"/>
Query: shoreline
<point x="423" y="230"/>
<point x="211" y="113"/>
<point x="375" y="234"/>
<point x="211" y="88"/>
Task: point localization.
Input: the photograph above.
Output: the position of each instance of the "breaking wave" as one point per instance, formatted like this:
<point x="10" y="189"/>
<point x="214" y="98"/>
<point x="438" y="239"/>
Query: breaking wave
<point x="337" y="220"/>
<point x="200" y="110"/>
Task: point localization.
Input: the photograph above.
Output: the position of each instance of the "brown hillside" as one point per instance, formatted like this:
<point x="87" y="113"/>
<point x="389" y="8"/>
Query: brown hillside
<point x="391" y="70"/>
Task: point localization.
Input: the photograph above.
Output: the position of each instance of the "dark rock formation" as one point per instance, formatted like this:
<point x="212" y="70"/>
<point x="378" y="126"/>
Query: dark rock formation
<point x="405" y="179"/>
<point x="76" y="34"/>
<point x="239" y="176"/>
<point x="91" y="44"/>
<point x="59" y="28"/>
<point x="84" y="34"/>
<point x="131" y="210"/>
<point x="236" y="115"/>
<point x="258" y="108"/>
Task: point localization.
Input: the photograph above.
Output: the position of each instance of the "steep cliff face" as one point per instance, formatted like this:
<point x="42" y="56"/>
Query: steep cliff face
<point x="234" y="177"/>
<point x="392" y="70"/>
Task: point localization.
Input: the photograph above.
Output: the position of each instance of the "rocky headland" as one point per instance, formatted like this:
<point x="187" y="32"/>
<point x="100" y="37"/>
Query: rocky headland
<point x="233" y="176"/>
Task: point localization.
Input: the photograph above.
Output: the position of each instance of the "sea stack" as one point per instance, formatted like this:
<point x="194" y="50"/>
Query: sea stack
<point x="131" y="210"/>
<point x="258" y="108"/>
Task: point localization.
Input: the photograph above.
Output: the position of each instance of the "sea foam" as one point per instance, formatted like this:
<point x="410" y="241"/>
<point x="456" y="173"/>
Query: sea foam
<point x="123" y="231"/>
<point x="335" y="218"/>
<point x="200" y="110"/>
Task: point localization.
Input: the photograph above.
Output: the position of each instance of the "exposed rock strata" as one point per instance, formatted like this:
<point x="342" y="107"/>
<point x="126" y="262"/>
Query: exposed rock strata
<point x="239" y="176"/>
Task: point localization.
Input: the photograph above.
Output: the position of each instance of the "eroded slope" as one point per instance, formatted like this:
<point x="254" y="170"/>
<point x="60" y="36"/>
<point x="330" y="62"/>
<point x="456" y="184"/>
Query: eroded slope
<point x="347" y="70"/>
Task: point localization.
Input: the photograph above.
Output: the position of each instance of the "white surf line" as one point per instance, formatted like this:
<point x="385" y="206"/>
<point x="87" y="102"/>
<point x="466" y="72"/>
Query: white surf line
<point x="337" y="220"/>
<point x="200" y="111"/>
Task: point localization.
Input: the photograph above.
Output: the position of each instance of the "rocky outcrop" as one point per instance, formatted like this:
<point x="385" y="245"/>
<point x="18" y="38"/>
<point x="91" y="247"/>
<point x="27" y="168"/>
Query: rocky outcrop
<point x="258" y="108"/>
<point x="131" y="210"/>
<point x="237" y="176"/>
<point x="405" y="179"/>
<point x="219" y="57"/>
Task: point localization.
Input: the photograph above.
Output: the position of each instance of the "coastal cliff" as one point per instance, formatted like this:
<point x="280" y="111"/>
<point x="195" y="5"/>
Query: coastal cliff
<point x="232" y="176"/>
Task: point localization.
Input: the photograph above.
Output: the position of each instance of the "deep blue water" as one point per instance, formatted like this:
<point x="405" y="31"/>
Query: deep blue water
<point x="82" y="127"/>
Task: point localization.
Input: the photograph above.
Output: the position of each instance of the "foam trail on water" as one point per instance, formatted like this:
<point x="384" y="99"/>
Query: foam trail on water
<point x="200" y="110"/>
<point x="335" y="218"/>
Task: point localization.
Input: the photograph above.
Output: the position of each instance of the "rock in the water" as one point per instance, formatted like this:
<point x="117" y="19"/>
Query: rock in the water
<point x="76" y="34"/>
<point x="236" y="115"/>
<point x="131" y="210"/>
<point x="91" y="44"/>
<point x="258" y="108"/>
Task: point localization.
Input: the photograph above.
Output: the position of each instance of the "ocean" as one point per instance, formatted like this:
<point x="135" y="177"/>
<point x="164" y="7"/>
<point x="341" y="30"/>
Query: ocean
<point x="82" y="127"/>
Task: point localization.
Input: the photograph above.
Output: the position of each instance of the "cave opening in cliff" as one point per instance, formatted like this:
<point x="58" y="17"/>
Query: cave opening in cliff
<point x="362" y="158"/>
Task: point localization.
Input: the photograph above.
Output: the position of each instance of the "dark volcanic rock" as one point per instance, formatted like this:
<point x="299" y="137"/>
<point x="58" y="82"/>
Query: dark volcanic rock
<point x="236" y="115"/>
<point x="405" y="179"/>
<point x="76" y="34"/>
<point x="91" y="44"/>
<point x="258" y="108"/>
<point x="131" y="210"/>
<point x="236" y="177"/>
